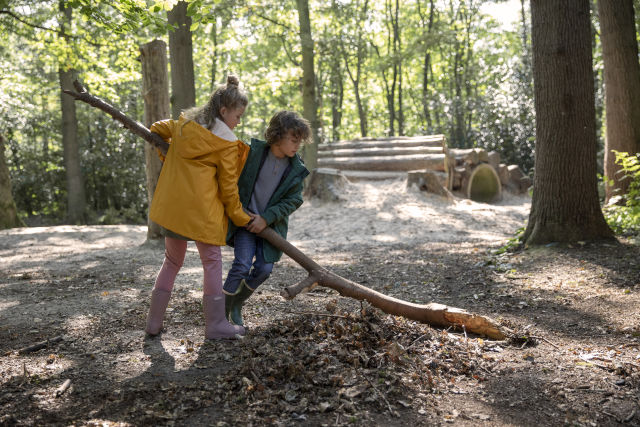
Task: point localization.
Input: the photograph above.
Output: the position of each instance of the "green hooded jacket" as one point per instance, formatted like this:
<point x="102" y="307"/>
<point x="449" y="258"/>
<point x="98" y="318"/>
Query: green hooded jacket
<point x="286" y="198"/>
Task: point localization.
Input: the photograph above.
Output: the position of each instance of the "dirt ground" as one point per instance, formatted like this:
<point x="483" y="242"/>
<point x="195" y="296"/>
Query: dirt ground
<point x="321" y="359"/>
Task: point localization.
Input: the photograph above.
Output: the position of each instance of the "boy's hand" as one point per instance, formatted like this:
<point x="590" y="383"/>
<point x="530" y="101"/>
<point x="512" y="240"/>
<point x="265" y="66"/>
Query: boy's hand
<point x="251" y="215"/>
<point x="257" y="224"/>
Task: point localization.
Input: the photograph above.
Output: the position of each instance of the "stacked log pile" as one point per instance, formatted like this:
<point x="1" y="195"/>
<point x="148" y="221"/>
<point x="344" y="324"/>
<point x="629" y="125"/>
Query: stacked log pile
<point x="427" y="162"/>
<point x="385" y="158"/>
<point x="479" y="175"/>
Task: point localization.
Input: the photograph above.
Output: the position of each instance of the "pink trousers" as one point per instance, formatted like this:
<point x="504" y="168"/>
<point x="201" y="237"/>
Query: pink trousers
<point x="175" y="250"/>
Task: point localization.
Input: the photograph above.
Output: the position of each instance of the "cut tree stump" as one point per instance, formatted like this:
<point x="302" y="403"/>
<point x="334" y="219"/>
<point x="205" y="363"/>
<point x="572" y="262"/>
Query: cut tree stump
<point x="430" y="181"/>
<point x="484" y="184"/>
<point x="327" y="185"/>
<point x="433" y="313"/>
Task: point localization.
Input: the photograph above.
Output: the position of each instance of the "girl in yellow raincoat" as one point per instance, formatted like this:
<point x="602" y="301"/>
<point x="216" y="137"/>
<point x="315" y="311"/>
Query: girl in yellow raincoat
<point x="197" y="193"/>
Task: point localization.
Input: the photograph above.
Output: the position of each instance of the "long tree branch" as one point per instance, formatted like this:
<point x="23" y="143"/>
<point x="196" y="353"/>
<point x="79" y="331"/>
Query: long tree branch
<point x="134" y="126"/>
<point x="434" y="314"/>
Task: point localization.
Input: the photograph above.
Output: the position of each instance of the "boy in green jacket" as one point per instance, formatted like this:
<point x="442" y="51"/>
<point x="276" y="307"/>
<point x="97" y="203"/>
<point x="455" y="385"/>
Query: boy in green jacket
<point x="270" y="187"/>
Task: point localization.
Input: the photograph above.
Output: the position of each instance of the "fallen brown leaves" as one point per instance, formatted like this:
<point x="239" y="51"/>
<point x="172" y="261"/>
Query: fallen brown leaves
<point x="351" y="365"/>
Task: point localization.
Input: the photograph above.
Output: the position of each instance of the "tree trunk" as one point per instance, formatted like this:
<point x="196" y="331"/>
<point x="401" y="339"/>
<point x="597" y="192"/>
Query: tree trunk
<point x="8" y="212"/>
<point x="183" y="88"/>
<point x="362" y="112"/>
<point x="76" y="198"/>
<point x="155" y="91"/>
<point x="337" y="97"/>
<point x="426" y="68"/>
<point x="214" y="59"/>
<point x="621" y="88"/>
<point x="360" y="51"/>
<point x="398" y="162"/>
<point x="397" y="53"/>
<point x="309" y="101"/>
<point x="433" y="313"/>
<point x="565" y="206"/>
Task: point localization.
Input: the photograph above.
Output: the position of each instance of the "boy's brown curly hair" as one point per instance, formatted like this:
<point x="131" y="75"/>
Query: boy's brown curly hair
<point x="285" y="121"/>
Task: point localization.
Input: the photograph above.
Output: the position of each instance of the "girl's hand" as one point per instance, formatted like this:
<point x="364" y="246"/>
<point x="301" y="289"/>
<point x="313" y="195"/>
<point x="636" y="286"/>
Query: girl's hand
<point x="257" y="224"/>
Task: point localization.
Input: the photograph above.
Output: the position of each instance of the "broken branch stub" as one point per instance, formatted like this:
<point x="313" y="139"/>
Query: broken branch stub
<point x="433" y="314"/>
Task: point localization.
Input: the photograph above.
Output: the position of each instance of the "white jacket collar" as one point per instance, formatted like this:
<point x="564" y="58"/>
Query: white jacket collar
<point x="221" y="130"/>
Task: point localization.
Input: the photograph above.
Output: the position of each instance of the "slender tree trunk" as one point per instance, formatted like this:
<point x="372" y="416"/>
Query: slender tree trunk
<point x="458" y="110"/>
<point x="362" y="112"/>
<point x="390" y="88"/>
<point x="183" y="88"/>
<point x="470" y="89"/>
<point x="565" y="206"/>
<point x="155" y="91"/>
<point x="214" y="59"/>
<point x="76" y="198"/>
<point x="8" y="212"/>
<point x="621" y="87"/>
<point x="355" y="80"/>
<point x="397" y="53"/>
<point x="309" y="100"/>
<point x="337" y="96"/>
<point x="426" y="69"/>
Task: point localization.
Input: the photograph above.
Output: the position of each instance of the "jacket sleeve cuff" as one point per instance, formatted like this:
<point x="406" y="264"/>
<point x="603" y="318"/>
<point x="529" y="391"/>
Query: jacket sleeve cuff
<point x="269" y="218"/>
<point x="241" y="219"/>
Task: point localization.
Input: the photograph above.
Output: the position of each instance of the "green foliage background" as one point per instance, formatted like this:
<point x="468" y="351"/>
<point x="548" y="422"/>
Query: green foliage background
<point x="623" y="212"/>
<point x="479" y="91"/>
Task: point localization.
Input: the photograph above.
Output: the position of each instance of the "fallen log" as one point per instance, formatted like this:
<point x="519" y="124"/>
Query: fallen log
<point x="386" y="163"/>
<point x="397" y="141"/>
<point x="433" y="313"/>
<point x="378" y="151"/>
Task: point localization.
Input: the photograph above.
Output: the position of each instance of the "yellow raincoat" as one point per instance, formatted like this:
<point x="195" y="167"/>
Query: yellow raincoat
<point x="197" y="191"/>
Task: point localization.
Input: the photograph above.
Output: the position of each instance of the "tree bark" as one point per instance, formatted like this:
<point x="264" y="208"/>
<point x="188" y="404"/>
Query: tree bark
<point x="214" y="59"/>
<point x="565" y="205"/>
<point x="76" y="198"/>
<point x="431" y="161"/>
<point x="309" y="101"/>
<point x="432" y="314"/>
<point x="355" y="80"/>
<point x="155" y="91"/>
<point x="621" y="88"/>
<point x="336" y="97"/>
<point x="427" y="25"/>
<point x="183" y="88"/>
<point x="8" y="212"/>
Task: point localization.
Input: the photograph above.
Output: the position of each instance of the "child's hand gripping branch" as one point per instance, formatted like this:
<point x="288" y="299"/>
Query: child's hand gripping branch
<point x="270" y="187"/>
<point x="257" y="224"/>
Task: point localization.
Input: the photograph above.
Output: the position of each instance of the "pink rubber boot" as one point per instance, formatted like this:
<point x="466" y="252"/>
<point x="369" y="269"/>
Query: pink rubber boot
<point x="159" y="302"/>
<point x="216" y="325"/>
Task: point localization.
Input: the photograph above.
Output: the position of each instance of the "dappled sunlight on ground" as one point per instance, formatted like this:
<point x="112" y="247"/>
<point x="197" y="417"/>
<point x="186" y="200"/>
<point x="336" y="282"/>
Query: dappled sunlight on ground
<point x="389" y="212"/>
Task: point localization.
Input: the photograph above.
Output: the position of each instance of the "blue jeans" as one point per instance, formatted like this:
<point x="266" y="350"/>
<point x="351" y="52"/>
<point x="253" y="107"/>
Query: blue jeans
<point x="248" y="253"/>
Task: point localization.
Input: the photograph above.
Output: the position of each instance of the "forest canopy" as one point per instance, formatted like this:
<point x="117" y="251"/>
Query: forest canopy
<point x="383" y="68"/>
